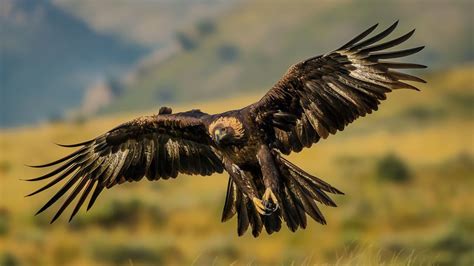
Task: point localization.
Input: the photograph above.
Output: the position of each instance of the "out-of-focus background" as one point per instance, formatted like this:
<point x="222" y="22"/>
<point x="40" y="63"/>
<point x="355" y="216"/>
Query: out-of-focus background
<point x="72" y="69"/>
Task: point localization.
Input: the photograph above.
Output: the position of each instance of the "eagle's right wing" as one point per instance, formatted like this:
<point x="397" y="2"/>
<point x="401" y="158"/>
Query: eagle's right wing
<point x="158" y="146"/>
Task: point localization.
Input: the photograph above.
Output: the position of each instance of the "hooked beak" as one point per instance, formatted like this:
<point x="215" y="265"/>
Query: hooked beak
<point x="218" y="135"/>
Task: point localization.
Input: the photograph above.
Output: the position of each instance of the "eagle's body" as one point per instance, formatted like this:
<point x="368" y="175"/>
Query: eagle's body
<point x="315" y="98"/>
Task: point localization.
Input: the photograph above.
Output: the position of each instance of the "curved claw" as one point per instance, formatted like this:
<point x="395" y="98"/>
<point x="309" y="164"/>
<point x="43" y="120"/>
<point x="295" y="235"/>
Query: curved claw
<point x="269" y="194"/>
<point x="268" y="204"/>
<point x="259" y="206"/>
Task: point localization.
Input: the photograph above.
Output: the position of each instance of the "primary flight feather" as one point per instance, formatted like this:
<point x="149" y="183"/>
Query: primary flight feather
<point x="315" y="98"/>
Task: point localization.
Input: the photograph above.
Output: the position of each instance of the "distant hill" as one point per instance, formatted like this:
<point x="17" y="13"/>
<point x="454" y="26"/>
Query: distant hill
<point x="255" y="42"/>
<point x="48" y="57"/>
<point x="149" y="23"/>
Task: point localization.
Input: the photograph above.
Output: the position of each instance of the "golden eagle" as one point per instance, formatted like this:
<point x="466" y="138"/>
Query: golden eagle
<point x="315" y="98"/>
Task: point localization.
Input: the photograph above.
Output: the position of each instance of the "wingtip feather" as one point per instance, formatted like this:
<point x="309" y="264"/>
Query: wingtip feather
<point x="359" y="37"/>
<point x="74" y="145"/>
<point x="54" y="218"/>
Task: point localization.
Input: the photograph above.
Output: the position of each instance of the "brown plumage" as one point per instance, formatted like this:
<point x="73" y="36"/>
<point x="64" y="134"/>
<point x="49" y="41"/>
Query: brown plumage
<point x="315" y="98"/>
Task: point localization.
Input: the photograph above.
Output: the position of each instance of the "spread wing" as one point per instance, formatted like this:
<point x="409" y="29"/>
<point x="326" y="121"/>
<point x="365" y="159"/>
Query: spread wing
<point x="158" y="146"/>
<point x="323" y="94"/>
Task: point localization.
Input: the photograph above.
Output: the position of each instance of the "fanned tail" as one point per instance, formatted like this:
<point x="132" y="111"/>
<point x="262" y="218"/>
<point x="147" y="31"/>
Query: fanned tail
<point x="247" y="215"/>
<point x="298" y="196"/>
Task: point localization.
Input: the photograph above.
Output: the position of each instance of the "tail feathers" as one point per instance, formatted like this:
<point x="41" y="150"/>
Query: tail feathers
<point x="296" y="171"/>
<point x="299" y="192"/>
<point x="292" y="212"/>
<point x="230" y="201"/>
<point x="242" y="214"/>
<point x="304" y="190"/>
<point x="247" y="215"/>
<point x="272" y="222"/>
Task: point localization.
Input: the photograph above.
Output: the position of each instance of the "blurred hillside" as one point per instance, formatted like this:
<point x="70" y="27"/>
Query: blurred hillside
<point x="251" y="46"/>
<point x="47" y="59"/>
<point x="407" y="171"/>
<point x="151" y="23"/>
<point x="85" y="57"/>
<point x="53" y="52"/>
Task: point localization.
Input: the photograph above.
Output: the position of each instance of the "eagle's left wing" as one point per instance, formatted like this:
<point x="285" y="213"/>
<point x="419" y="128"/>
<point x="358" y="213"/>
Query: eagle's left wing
<point x="323" y="94"/>
<point x="157" y="146"/>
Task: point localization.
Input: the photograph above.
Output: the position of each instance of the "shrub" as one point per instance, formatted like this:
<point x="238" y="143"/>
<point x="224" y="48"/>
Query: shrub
<point x="4" y="217"/>
<point x="205" y="27"/>
<point x="464" y="102"/>
<point x="116" y="87"/>
<point x="127" y="253"/>
<point x="393" y="168"/>
<point x="187" y="42"/>
<point x="221" y="248"/>
<point x="79" y="120"/>
<point x="5" y="166"/>
<point x="137" y="253"/>
<point x="423" y="114"/>
<point x="66" y="252"/>
<point x="55" y="118"/>
<point x="8" y="259"/>
<point x="166" y="93"/>
<point x="122" y="213"/>
<point x="228" y="52"/>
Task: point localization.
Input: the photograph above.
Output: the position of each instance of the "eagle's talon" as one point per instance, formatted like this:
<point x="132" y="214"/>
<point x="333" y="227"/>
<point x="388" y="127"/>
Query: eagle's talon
<point x="269" y="201"/>
<point x="259" y="206"/>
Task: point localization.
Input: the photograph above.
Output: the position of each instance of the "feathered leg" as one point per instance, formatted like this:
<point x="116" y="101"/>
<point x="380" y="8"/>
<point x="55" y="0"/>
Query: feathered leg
<point x="270" y="178"/>
<point x="237" y="202"/>
<point x="245" y="184"/>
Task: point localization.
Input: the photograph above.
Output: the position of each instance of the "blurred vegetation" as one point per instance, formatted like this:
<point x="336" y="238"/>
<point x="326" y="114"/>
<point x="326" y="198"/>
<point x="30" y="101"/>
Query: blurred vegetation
<point x="393" y="168"/>
<point x="120" y="213"/>
<point x="8" y="259"/>
<point x="135" y="253"/>
<point x="420" y="214"/>
<point x="228" y="52"/>
<point x="186" y="41"/>
<point x="206" y="27"/>
<point x="5" y="167"/>
<point x="4" y="221"/>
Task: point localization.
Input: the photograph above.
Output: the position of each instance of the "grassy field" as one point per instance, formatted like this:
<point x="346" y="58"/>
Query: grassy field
<point x="423" y="218"/>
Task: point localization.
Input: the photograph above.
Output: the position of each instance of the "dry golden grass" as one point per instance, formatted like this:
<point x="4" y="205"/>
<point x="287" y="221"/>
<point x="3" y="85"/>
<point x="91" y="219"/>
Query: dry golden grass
<point x="425" y="220"/>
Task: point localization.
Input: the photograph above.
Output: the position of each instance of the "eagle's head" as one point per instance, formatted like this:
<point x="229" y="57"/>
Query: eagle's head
<point x="227" y="131"/>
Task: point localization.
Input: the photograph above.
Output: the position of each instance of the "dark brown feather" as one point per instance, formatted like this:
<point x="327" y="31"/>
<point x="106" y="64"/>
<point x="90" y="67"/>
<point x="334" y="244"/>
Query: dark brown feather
<point x="229" y="204"/>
